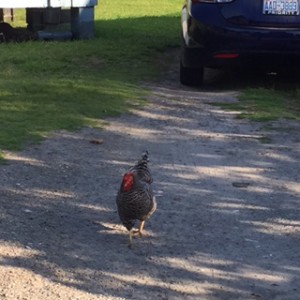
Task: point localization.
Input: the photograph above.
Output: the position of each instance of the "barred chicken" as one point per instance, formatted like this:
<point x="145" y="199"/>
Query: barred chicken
<point x="135" y="200"/>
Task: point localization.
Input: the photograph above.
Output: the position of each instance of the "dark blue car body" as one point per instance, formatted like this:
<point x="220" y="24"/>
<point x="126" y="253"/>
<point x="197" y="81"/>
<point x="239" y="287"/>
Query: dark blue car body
<point x="229" y="33"/>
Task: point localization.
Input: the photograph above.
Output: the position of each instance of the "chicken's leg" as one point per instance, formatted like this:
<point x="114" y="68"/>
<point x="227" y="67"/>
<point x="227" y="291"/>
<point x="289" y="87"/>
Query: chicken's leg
<point x="140" y="230"/>
<point x="131" y="233"/>
<point x="142" y="223"/>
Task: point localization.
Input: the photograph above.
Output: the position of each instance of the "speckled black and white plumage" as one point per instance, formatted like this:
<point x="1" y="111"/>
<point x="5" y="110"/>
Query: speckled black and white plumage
<point x="142" y="170"/>
<point x="136" y="201"/>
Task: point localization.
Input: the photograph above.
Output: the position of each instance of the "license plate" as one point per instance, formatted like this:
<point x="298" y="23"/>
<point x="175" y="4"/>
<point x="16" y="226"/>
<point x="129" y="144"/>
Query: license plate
<point x="281" y="7"/>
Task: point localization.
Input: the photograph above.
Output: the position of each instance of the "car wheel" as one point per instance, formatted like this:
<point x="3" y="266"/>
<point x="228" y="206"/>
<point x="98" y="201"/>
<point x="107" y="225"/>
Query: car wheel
<point x="191" y="76"/>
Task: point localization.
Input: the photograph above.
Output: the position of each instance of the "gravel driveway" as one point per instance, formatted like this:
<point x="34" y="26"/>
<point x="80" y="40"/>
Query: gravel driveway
<point x="227" y="224"/>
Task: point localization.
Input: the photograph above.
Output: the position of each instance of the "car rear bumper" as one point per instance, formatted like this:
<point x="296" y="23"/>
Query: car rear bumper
<point x="199" y="57"/>
<point x="228" y="45"/>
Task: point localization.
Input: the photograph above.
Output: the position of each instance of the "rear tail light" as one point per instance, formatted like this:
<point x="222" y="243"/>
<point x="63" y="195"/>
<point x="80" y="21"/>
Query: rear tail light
<point x="211" y="1"/>
<point x="226" y="55"/>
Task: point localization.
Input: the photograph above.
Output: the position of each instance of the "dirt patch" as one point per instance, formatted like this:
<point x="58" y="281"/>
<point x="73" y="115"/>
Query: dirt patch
<point x="227" y="224"/>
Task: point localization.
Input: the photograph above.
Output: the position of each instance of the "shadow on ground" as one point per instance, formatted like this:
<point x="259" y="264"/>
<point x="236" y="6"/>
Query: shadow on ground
<point x="227" y="224"/>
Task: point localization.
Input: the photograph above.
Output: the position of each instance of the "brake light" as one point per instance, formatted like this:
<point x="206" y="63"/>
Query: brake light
<point x="226" y="55"/>
<point x="211" y="1"/>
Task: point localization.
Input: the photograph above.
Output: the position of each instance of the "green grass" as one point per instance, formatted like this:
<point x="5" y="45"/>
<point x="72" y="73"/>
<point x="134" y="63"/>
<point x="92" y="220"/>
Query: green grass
<point x="267" y="104"/>
<point x="46" y="86"/>
<point x="264" y="97"/>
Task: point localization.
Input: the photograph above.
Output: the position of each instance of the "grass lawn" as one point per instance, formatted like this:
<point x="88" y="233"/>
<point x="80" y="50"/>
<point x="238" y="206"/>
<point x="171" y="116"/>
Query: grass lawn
<point x="263" y="104"/>
<point x="268" y="98"/>
<point x="46" y="86"/>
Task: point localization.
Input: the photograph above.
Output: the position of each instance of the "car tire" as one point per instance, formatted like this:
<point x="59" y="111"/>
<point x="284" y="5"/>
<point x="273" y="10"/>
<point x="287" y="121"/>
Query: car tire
<point x="191" y="76"/>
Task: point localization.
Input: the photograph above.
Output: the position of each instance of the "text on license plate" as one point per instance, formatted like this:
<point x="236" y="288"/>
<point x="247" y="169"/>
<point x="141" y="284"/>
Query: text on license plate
<point x="281" y="7"/>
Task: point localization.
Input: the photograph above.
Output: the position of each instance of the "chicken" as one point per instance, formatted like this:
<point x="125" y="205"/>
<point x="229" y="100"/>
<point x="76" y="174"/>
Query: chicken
<point x="135" y="200"/>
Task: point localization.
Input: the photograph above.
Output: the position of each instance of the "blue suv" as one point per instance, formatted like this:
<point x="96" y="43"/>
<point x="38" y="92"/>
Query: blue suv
<point x="234" y="33"/>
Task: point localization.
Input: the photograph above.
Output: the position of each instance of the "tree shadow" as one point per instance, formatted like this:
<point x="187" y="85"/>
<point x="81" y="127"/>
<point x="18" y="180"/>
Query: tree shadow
<point x="209" y="239"/>
<point x="251" y="77"/>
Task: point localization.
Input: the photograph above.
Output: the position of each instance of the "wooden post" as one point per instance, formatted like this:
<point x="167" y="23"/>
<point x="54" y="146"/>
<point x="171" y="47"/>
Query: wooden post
<point x="82" y="22"/>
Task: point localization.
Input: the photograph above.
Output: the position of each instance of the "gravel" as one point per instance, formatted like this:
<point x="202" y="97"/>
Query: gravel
<point x="227" y="224"/>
